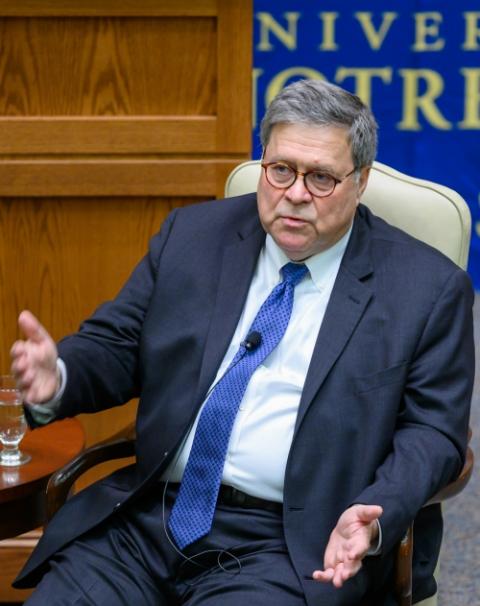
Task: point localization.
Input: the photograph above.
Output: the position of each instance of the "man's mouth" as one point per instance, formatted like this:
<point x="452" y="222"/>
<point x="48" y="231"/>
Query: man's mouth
<point x="293" y="221"/>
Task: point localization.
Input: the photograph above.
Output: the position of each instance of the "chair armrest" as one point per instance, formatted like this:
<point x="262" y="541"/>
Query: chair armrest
<point x="122" y="445"/>
<point x="118" y="446"/>
<point x="404" y="556"/>
<point x="457" y="485"/>
<point x="403" y="569"/>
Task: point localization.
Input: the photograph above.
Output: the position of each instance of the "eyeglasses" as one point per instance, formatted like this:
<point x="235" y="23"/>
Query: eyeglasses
<point x="317" y="183"/>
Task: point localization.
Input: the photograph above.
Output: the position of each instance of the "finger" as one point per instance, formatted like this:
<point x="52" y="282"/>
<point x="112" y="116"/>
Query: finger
<point x="18" y="369"/>
<point x="345" y="571"/>
<point x="348" y="570"/>
<point x="338" y="577"/>
<point x="330" y="558"/>
<point x="26" y="379"/>
<point x="31" y="327"/>
<point x="17" y="349"/>
<point x="21" y="361"/>
<point x="368" y="513"/>
<point x="324" y="576"/>
<point x="18" y="364"/>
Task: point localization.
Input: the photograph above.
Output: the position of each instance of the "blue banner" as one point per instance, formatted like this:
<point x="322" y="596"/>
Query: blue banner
<point x="415" y="63"/>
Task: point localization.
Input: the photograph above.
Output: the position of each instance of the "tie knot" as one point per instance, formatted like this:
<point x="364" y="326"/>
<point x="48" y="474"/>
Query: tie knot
<point x="294" y="272"/>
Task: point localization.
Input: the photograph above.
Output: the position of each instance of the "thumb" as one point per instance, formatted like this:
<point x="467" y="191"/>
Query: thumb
<point x="368" y="513"/>
<point x="31" y="327"/>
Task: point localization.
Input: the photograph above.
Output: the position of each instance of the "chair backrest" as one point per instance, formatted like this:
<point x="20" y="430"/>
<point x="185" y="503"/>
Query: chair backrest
<point x="428" y="211"/>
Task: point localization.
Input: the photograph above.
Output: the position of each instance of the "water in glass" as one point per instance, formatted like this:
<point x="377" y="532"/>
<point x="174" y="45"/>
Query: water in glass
<point x="12" y="423"/>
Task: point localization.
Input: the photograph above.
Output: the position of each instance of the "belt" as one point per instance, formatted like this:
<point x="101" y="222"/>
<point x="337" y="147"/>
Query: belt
<point x="236" y="498"/>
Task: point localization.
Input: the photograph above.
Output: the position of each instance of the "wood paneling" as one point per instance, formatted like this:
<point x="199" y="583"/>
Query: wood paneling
<point x="175" y="178"/>
<point x="233" y="109"/>
<point x="133" y="135"/>
<point x="102" y="8"/>
<point x="108" y="67"/>
<point x="112" y="112"/>
<point x="194" y="69"/>
<point x="61" y="257"/>
<point x="13" y="554"/>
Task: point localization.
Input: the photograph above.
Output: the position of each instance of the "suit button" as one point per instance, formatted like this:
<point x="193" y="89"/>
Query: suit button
<point x="117" y="506"/>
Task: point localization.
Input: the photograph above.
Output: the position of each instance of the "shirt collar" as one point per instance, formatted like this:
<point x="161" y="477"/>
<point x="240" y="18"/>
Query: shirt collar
<point x="320" y="265"/>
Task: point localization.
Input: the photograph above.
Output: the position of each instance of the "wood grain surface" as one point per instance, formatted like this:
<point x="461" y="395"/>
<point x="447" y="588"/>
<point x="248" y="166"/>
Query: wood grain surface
<point x="112" y="113"/>
<point x="107" y="67"/>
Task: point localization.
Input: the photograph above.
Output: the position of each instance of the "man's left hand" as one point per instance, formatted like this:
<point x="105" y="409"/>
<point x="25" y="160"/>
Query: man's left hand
<point x="356" y="531"/>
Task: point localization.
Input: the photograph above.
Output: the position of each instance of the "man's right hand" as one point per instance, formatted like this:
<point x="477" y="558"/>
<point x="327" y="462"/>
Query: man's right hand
<point x="34" y="361"/>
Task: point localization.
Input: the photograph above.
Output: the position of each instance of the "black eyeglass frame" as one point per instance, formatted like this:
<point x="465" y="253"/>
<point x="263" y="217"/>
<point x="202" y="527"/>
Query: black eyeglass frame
<point x="336" y="181"/>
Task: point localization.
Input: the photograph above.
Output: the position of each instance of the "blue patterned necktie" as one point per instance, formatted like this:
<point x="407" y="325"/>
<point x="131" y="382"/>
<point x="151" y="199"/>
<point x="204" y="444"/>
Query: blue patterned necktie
<point x="192" y="513"/>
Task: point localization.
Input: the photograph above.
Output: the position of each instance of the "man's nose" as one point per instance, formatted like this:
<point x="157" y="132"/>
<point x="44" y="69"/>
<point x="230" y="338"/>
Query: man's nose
<point x="297" y="192"/>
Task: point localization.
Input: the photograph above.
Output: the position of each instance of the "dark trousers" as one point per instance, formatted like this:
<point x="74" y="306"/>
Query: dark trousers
<point x="130" y="561"/>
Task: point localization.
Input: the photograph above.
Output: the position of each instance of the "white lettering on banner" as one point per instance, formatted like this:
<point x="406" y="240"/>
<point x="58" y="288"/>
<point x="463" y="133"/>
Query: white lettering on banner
<point x="414" y="102"/>
<point x="422" y="90"/>
<point x="363" y="79"/>
<point x="471" y="116"/>
<point x="427" y="26"/>
<point x="328" y="31"/>
<point x="424" y="35"/>
<point x="268" y="24"/>
<point x="375" y="37"/>
<point x="472" y="31"/>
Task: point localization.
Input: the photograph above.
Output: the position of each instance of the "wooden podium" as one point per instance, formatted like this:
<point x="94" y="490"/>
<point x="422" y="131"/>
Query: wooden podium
<point x="112" y="113"/>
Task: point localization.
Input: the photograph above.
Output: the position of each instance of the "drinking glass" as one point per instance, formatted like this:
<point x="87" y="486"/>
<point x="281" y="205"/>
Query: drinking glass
<point x="12" y="423"/>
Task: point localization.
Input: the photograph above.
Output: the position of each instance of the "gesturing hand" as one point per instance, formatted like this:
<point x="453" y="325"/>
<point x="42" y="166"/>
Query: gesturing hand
<point x="349" y="542"/>
<point x="34" y="361"/>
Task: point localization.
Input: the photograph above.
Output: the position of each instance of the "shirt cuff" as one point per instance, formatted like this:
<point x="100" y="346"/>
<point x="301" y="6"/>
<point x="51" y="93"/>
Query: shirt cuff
<point x="47" y="411"/>
<point x="376" y="549"/>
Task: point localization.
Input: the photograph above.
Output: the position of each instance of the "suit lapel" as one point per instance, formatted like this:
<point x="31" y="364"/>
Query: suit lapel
<point x="238" y="265"/>
<point x="348" y="301"/>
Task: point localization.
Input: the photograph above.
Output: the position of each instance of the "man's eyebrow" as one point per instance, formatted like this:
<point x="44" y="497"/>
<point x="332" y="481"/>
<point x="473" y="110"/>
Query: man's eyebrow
<point x="321" y="168"/>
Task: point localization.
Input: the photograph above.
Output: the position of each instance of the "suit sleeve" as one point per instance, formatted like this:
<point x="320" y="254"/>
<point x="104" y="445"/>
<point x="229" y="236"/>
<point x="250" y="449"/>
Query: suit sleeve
<point x="430" y="439"/>
<point x="102" y="357"/>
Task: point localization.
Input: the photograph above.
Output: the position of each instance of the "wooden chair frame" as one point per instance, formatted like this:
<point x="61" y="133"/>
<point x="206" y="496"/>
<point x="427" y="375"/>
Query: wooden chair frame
<point x="122" y="445"/>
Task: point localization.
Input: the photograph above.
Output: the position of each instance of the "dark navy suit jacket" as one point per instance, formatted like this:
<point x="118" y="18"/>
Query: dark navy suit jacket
<point x="383" y="416"/>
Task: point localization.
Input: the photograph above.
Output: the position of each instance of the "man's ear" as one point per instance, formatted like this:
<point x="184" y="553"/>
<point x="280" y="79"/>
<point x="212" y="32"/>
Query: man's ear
<point x="363" y="180"/>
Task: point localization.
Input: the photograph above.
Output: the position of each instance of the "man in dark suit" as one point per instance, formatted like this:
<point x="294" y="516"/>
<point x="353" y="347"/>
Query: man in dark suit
<point x="349" y="424"/>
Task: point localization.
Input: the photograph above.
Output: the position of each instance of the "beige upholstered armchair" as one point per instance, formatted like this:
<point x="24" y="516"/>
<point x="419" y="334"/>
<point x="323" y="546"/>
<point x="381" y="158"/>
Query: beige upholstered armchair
<point x="428" y="211"/>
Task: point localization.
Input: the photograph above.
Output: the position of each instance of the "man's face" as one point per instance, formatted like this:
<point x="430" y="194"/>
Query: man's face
<point x="301" y="224"/>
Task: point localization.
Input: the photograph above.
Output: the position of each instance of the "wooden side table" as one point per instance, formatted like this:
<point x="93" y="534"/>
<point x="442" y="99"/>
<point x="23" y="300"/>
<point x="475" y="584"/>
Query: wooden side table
<point x="22" y="495"/>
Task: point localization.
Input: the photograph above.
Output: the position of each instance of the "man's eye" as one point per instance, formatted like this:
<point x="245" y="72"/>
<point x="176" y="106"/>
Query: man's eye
<point x="281" y="170"/>
<point x="320" y="178"/>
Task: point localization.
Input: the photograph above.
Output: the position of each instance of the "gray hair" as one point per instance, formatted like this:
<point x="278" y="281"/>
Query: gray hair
<point x="321" y="103"/>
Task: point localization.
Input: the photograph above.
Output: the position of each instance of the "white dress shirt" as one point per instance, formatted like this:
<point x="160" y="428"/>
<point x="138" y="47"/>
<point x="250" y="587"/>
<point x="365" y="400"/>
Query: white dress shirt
<point x="263" y="428"/>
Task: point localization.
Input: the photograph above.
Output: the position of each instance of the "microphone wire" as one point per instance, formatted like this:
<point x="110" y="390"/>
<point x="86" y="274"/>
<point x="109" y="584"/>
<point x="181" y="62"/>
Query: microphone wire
<point x="251" y="342"/>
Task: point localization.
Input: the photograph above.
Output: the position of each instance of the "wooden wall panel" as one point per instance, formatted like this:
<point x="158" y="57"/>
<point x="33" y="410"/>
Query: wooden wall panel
<point x="131" y="72"/>
<point x="61" y="257"/>
<point x="90" y="135"/>
<point x="113" y="177"/>
<point x="112" y="112"/>
<point x="106" y="8"/>
<point x="108" y="67"/>
<point x="13" y="554"/>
